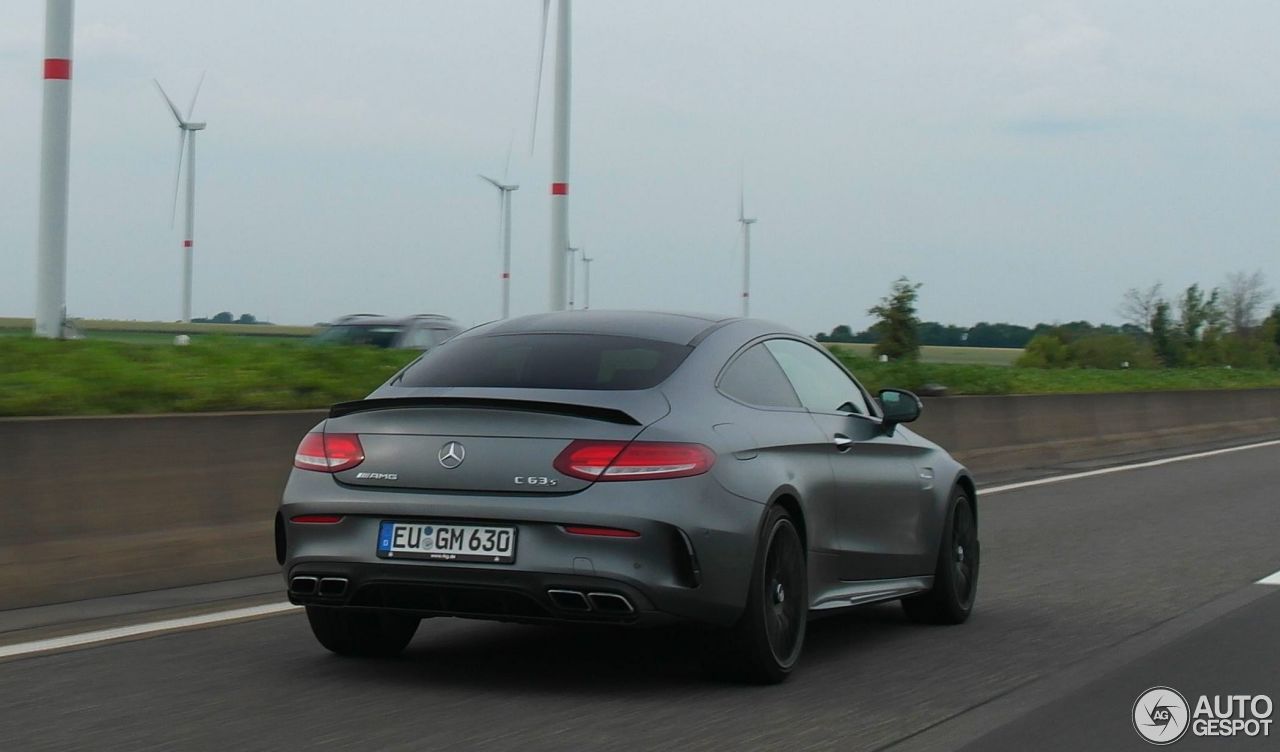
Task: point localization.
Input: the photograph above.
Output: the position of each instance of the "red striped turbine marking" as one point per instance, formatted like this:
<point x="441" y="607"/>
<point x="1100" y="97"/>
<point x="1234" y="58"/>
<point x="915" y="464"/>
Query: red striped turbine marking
<point x="57" y="68"/>
<point x="559" y="189"/>
<point x="186" y="244"/>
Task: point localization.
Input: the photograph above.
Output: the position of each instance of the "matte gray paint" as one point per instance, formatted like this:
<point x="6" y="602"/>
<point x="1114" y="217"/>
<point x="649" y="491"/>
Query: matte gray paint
<point x="867" y="512"/>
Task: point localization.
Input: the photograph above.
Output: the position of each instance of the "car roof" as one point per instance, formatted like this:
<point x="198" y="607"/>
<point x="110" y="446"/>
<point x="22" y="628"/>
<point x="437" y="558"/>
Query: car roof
<point x="374" y="319"/>
<point x="678" y="328"/>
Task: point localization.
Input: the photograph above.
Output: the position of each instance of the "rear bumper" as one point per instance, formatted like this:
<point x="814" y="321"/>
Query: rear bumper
<point x="691" y="562"/>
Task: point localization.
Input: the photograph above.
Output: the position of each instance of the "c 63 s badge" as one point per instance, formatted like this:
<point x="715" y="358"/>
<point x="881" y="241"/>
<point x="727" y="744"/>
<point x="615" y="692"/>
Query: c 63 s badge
<point x="533" y="480"/>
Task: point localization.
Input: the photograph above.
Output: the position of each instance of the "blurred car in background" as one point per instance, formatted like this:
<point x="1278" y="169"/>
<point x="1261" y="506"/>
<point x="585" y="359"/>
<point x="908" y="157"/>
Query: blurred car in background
<point x="419" y="332"/>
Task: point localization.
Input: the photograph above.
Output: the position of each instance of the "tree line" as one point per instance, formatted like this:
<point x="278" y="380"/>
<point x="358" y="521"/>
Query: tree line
<point x="227" y="317"/>
<point x="1227" y="325"/>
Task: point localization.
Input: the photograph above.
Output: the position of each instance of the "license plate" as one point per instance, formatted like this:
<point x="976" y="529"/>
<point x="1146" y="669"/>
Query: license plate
<point x="429" y="540"/>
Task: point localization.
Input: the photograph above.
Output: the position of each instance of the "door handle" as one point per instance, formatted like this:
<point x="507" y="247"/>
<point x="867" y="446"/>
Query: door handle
<point x="842" y="442"/>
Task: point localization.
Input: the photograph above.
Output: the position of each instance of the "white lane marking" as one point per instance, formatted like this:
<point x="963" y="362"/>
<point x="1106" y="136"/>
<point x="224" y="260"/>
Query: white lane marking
<point x="220" y="617"/>
<point x="1121" y="468"/>
<point x="137" y="630"/>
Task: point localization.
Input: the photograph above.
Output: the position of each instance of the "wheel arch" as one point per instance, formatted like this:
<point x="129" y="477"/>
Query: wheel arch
<point x="787" y="498"/>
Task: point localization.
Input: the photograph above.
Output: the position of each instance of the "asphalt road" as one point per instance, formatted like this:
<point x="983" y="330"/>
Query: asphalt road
<point x="1091" y="590"/>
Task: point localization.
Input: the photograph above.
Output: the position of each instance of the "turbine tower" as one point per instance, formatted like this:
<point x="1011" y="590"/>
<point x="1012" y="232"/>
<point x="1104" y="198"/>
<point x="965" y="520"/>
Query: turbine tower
<point x="186" y="140"/>
<point x="504" y="236"/>
<point x="55" y="158"/>
<point x="559" y="148"/>
<point x="573" y="280"/>
<point x="746" y="223"/>
<point x="586" y="281"/>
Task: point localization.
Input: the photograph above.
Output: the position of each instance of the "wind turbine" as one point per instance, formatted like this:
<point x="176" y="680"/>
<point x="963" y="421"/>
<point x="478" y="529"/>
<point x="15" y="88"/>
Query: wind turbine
<point x="504" y="234"/>
<point x="559" y="148"/>
<point x="186" y="139"/>
<point x="586" y="281"/>
<point x="746" y="223"/>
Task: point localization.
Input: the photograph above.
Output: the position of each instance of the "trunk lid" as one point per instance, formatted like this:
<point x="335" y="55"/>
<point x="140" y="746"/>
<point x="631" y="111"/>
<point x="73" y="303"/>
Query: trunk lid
<point x="483" y="440"/>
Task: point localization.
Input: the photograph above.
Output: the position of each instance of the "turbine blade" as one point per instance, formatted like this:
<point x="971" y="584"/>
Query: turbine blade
<point x="177" y="176"/>
<point x="742" y="181"/>
<point x="510" y="144"/>
<point x="491" y="181"/>
<point x="537" y="83"/>
<point x="168" y="101"/>
<point x="192" y="108"/>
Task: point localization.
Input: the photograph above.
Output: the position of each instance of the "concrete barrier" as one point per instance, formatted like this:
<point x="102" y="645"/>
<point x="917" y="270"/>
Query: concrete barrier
<point x="108" y="505"/>
<point x="995" y="434"/>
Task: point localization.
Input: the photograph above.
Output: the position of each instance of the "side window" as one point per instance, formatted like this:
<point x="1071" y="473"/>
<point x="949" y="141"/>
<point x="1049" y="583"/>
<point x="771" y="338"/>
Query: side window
<point x="822" y="385"/>
<point x="756" y="379"/>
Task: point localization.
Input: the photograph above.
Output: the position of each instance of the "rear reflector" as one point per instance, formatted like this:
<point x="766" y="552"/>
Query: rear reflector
<point x="638" y="460"/>
<point x="329" y="452"/>
<point x="604" y="532"/>
<point x="317" y="519"/>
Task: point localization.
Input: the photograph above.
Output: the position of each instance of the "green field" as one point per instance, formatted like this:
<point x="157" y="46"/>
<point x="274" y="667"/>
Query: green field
<point x="220" y="372"/>
<point x="986" y="356"/>
<point x="163" y="332"/>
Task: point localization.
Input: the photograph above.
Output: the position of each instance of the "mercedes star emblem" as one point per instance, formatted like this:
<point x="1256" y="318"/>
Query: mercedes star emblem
<point x="451" y="455"/>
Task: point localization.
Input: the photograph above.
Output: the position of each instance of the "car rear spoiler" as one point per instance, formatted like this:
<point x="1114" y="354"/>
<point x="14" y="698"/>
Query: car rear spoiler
<point x="591" y="412"/>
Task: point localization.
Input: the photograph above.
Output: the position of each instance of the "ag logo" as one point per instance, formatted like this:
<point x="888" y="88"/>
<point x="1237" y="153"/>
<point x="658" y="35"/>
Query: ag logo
<point x="1161" y="715"/>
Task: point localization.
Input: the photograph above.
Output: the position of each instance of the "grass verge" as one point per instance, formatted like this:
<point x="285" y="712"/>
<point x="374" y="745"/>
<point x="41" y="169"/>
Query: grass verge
<point x="94" y="377"/>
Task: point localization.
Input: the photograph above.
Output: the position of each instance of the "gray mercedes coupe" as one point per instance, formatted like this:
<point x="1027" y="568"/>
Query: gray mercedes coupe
<point x="629" y="468"/>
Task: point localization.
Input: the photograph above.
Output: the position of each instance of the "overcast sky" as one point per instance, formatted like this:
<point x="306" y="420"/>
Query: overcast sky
<point x="1025" y="161"/>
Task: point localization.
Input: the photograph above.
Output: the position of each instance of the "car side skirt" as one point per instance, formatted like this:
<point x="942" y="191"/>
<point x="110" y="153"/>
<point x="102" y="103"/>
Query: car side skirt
<point x="846" y="594"/>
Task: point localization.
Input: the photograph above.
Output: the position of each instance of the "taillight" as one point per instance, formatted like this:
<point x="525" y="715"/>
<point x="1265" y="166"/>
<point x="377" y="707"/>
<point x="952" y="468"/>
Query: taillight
<point x="317" y="519"/>
<point x="329" y="452"/>
<point x="637" y="460"/>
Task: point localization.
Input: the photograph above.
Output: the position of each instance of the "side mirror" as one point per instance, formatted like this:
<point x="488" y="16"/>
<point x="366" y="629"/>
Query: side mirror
<point x="900" y="406"/>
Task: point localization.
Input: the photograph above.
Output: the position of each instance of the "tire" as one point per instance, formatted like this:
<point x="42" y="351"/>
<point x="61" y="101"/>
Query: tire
<point x="765" y="645"/>
<point x="366" y="634"/>
<point x="955" y="580"/>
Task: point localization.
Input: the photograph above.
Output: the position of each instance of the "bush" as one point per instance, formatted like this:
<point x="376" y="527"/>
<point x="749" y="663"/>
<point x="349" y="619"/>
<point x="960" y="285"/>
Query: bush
<point x="1111" y="351"/>
<point x="1044" y="351"/>
<point x="1091" y="351"/>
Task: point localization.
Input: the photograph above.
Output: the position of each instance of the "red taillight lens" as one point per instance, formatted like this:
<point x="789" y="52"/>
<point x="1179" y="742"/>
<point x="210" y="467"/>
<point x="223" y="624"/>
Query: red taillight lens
<point x="329" y="452"/>
<point x="603" y="532"/>
<point x="317" y="519"/>
<point x="639" y="460"/>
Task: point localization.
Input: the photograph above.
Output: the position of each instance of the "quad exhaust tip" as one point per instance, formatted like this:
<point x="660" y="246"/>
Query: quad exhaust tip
<point x="610" y="603"/>
<point x="569" y="600"/>
<point x="325" y="587"/>
<point x="333" y="587"/>
<point x="603" y="603"/>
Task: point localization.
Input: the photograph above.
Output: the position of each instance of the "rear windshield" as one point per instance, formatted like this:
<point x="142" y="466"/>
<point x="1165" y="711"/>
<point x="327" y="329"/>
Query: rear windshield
<point x="547" y="361"/>
<point x="380" y="335"/>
